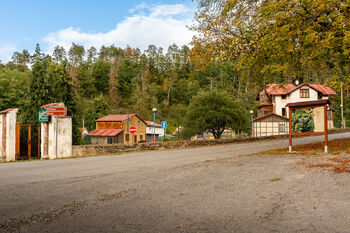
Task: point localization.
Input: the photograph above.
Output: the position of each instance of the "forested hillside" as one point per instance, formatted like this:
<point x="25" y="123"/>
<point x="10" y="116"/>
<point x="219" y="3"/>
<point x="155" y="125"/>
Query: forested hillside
<point x="114" y="81"/>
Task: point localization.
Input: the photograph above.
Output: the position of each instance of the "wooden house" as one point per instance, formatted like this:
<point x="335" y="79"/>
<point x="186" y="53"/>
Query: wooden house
<point x="272" y="114"/>
<point x="113" y="129"/>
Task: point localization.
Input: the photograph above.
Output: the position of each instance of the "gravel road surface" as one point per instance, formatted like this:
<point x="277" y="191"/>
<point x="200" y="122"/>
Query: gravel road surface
<point x="208" y="189"/>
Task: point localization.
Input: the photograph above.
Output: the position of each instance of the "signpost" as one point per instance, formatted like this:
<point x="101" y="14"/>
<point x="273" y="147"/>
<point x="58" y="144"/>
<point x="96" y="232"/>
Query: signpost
<point x="43" y="117"/>
<point x="56" y="111"/>
<point x="164" y="126"/>
<point x="132" y="129"/>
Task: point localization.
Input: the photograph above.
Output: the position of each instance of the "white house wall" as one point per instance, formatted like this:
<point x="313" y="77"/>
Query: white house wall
<point x="159" y="131"/>
<point x="293" y="97"/>
<point x="64" y="137"/>
<point x="279" y="104"/>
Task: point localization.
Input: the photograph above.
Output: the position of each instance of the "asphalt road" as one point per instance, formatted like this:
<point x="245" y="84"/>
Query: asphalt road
<point x="208" y="189"/>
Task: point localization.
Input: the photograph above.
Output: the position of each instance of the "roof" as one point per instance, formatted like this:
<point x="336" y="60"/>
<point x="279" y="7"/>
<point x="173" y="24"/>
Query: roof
<point x="277" y="89"/>
<point x="105" y="132"/>
<point x="150" y="123"/>
<point x="323" y="89"/>
<point x="271" y="114"/>
<point x="61" y="104"/>
<point x="116" y="117"/>
<point x="8" y="110"/>
<point x="308" y="103"/>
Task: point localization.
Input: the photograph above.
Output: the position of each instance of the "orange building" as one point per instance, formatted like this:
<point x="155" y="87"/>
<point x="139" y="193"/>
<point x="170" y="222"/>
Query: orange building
<point x="113" y="129"/>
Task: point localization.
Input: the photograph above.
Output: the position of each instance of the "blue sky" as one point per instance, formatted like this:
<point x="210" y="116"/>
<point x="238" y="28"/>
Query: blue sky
<point x="93" y="23"/>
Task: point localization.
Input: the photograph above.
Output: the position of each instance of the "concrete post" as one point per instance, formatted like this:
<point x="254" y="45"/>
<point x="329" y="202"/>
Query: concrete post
<point x="58" y="136"/>
<point x="8" y="120"/>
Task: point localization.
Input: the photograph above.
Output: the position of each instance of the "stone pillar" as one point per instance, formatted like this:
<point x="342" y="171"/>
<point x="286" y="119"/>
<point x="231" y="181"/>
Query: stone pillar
<point x="8" y="120"/>
<point x="57" y="132"/>
<point x="44" y="140"/>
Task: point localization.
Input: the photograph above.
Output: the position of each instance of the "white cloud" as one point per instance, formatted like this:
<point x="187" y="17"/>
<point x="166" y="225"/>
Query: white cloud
<point x="6" y="52"/>
<point x="161" y="25"/>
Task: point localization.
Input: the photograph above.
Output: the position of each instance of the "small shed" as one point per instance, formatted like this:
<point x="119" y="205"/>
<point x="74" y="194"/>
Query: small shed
<point x="269" y="125"/>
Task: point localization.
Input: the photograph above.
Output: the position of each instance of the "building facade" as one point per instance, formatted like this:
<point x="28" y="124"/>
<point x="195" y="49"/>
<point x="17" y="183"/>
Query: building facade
<point x="275" y="97"/>
<point x="114" y="129"/>
<point x="150" y="133"/>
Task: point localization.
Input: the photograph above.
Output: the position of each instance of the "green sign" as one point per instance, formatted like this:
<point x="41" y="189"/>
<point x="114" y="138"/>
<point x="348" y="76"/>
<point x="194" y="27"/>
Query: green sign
<point x="43" y="117"/>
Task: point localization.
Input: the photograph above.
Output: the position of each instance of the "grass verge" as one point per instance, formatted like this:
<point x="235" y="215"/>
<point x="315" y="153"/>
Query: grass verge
<point x="335" y="146"/>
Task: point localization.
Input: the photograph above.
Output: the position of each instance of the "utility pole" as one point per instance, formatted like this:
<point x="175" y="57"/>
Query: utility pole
<point x="342" y="107"/>
<point x="178" y="126"/>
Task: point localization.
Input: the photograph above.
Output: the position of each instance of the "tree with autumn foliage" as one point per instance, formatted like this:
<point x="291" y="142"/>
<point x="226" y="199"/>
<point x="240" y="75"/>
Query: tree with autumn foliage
<point x="275" y="40"/>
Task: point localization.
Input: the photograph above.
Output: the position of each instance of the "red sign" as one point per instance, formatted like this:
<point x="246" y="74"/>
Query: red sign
<point x="132" y="129"/>
<point x="56" y="111"/>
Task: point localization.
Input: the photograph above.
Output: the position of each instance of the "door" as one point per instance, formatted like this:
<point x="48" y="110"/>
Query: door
<point x="27" y="141"/>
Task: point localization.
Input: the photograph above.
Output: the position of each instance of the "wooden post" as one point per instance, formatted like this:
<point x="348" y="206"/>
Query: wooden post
<point x="39" y="138"/>
<point x="290" y="129"/>
<point x="343" y="124"/>
<point x="29" y="142"/>
<point x="18" y="140"/>
<point x="325" y="130"/>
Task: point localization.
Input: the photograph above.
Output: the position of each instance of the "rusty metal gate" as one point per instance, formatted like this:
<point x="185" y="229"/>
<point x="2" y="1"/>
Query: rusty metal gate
<point x="27" y="141"/>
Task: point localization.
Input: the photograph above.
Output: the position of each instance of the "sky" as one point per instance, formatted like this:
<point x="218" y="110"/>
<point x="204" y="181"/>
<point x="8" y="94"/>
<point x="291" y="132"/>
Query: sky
<point x="93" y="23"/>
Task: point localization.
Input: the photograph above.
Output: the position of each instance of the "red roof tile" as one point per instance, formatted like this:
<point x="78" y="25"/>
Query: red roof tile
<point x="150" y="123"/>
<point x="277" y="89"/>
<point x="323" y="89"/>
<point x="105" y="132"/>
<point x="116" y="117"/>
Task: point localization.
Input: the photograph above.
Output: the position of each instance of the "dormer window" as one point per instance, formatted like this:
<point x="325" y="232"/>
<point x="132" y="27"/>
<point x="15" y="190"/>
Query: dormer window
<point x="304" y="93"/>
<point x="284" y="97"/>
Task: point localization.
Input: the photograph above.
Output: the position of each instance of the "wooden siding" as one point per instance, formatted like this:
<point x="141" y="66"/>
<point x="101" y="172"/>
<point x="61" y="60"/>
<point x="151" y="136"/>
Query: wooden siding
<point x="109" y="125"/>
<point x="264" y="110"/>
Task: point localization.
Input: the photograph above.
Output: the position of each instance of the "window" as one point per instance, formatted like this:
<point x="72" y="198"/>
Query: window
<point x="139" y="123"/>
<point x="127" y="137"/>
<point x="267" y="112"/>
<point x="283" y="111"/>
<point x="281" y="128"/>
<point x="284" y="97"/>
<point x="304" y="93"/>
<point x="109" y="140"/>
<point x="129" y="121"/>
<point x="141" y="137"/>
<point x="135" y="139"/>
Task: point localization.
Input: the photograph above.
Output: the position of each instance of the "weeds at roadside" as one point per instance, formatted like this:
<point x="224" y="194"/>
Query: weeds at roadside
<point x="275" y="179"/>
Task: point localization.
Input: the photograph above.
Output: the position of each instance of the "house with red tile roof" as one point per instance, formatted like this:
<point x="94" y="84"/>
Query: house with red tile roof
<point x="152" y="131"/>
<point x="275" y="97"/>
<point x="112" y="129"/>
